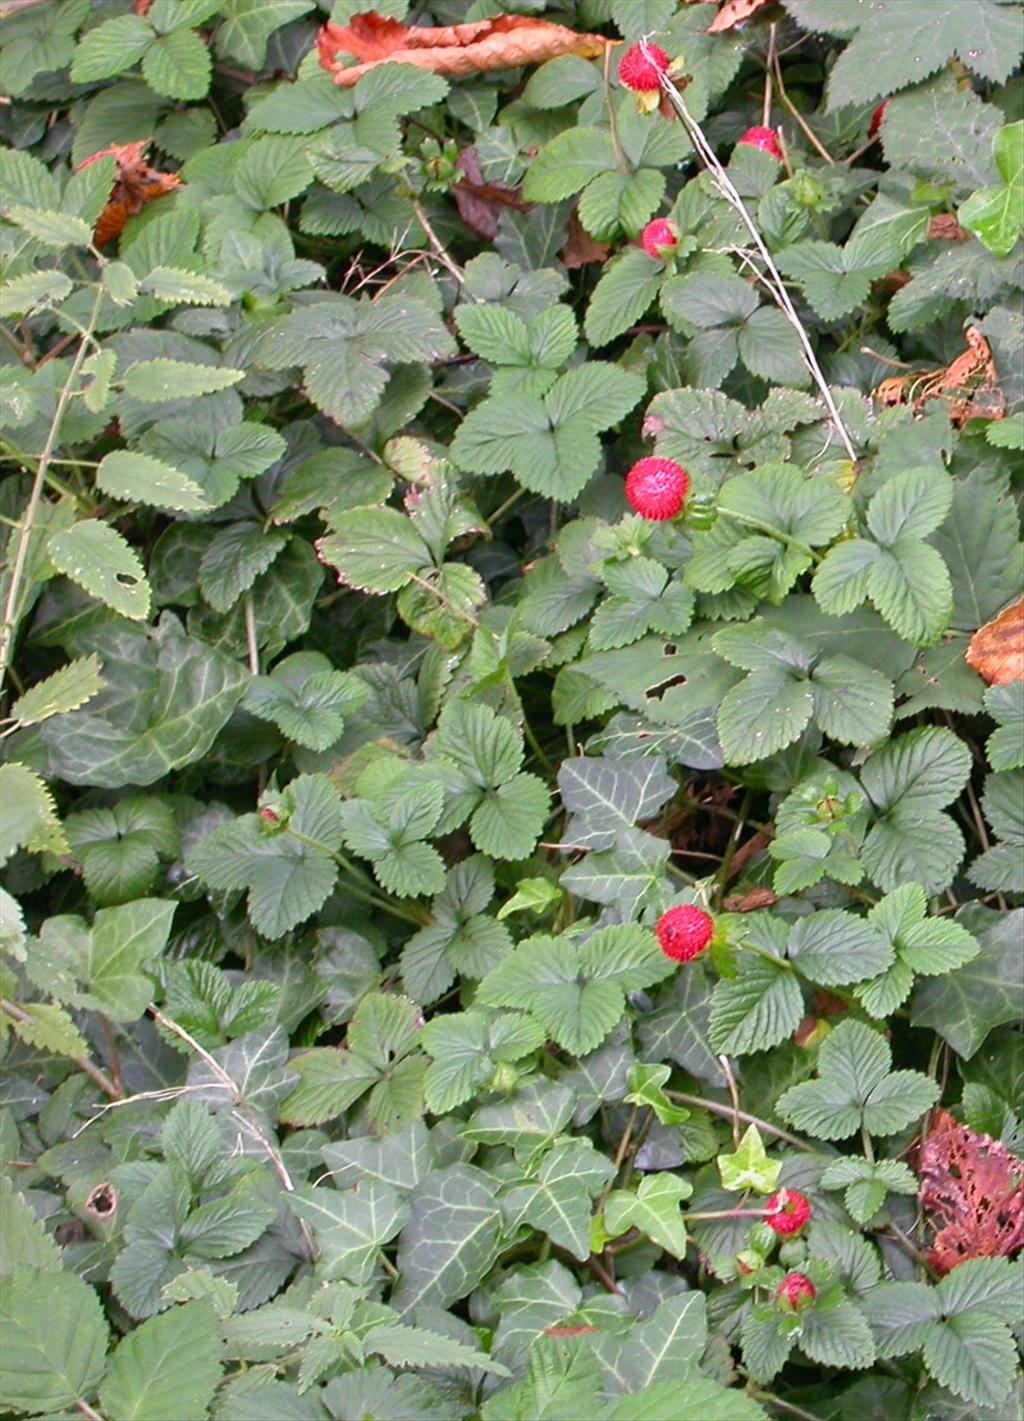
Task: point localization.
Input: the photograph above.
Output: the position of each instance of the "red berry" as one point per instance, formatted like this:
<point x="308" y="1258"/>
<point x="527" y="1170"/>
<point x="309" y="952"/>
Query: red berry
<point x="787" y="1211"/>
<point x="642" y="67"/>
<point x="656" y="487"/>
<point x="269" y="816"/>
<point x="763" y="139"/>
<point x="660" y="238"/>
<point x="795" y="1292"/>
<point x="684" y="932"/>
<point x="876" y="119"/>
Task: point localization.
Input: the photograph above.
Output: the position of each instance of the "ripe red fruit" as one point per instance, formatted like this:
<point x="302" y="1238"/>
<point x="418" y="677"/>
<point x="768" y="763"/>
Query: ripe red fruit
<point x="641" y="68"/>
<point x="796" y="1292"/>
<point x="787" y="1211"/>
<point x="876" y="119"/>
<point x="763" y="139"/>
<point x="660" y="238"/>
<point x="684" y="932"/>
<point x="656" y="488"/>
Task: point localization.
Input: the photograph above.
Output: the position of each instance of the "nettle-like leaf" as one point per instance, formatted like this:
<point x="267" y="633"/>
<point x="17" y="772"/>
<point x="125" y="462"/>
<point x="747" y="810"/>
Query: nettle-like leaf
<point x="905" y="578"/>
<point x="960" y="1327"/>
<point x="867" y="1183"/>
<point x="726" y="321"/>
<point x="461" y="938"/>
<point x="856" y="1088"/>
<point x="577" y="992"/>
<point x="999" y="867"/>
<point x="923" y="946"/>
<point x="342" y="346"/>
<point x="381" y="1056"/>
<point x="506" y="805"/>
<point x="549" y="442"/>
<point x="284" y="856"/>
<point x="788" y="687"/>
<point x="105" y="967"/>
<point x="769" y="521"/>
<point x="30" y="819"/>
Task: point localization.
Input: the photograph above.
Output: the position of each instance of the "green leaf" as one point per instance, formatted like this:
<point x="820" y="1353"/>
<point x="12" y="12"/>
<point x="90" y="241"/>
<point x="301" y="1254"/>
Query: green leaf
<point x="836" y="280"/>
<point x="25" y="1243"/>
<point x="178" y="65"/>
<point x="757" y="1009"/>
<point x="51" y="1029"/>
<point x="110" y="48"/>
<point x="891" y="50"/>
<point x="994" y="214"/>
<point x="306" y="699"/>
<point x="162" y="379"/>
<point x="577" y="993"/>
<point x="980" y="545"/>
<point x="377" y="550"/>
<point x="234" y="558"/>
<point x="1005" y="746"/>
<point x="246" y="25"/>
<point x="350" y="1225"/>
<point x="565" y="165"/>
<point x="558" y="1200"/>
<point x="167" y="1369"/>
<point x="749" y="1166"/>
<point x="764" y="713"/>
<point x="911" y="504"/>
<point x="54" y="229"/>
<point x="450" y="1241"/>
<point x="964" y="1005"/>
<point x="867" y="1183"/>
<point x="402" y="1346"/>
<point x="32" y="289"/>
<point x="661" y="1348"/>
<point x="287" y="865"/>
<point x="563" y="1380"/>
<point x="834" y="948"/>
<point x="653" y="1209"/>
<point x="929" y="946"/>
<point x="627" y="287"/>
<point x="856" y="1089"/>
<point x="100" y="560"/>
<point x="646" y="1088"/>
<point x="838" y="1336"/>
<point x="136" y="478"/>
<point x="55" y="1340"/>
<point x="30" y="818"/>
<point x="466" y="1047"/>
<point x="181" y="288"/>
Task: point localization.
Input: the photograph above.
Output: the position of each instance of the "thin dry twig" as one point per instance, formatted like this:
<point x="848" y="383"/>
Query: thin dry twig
<point x="771" y="274"/>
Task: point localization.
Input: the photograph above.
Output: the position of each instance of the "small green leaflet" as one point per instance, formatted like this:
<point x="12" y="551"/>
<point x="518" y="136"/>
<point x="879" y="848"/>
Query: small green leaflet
<point x="749" y="1166"/>
<point x="100" y="560"/>
<point x="137" y="478"/>
<point x="66" y="690"/>
<point x="856" y="1088"/>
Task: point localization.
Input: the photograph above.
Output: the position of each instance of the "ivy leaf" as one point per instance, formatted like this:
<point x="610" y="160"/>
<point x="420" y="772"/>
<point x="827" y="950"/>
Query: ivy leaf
<point x="749" y="1167"/>
<point x="856" y="1088"/>
<point x="964" y="1005"/>
<point x="451" y="1239"/>
<point x="350" y="1225"/>
<point x="665" y="1345"/>
<point x="605" y="795"/>
<point x="557" y="1200"/>
<point x="646" y="1088"/>
<point x="653" y="1209"/>
<point x="577" y="993"/>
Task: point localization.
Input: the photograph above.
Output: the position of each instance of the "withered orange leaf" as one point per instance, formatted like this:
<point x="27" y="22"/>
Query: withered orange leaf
<point x="581" y="248"/>
<point x="504" y="42"/>
<point x="735" y="12"/>
<point x="480" y="203"/>
<point x="997" y="649"/>
<point x="969" y="385"/>
<point x="972" y="1193"/>
<point x="135" y="185"/>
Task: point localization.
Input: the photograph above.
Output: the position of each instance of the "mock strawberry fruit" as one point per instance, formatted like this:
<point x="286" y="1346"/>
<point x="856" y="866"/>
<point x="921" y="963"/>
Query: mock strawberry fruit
<point x="641" y="68"/>
<point x="876" y="119"/>
<point x="787" y="1211"/>
<point x="660" y="238"/>
<point x="656" y="487"/>
<point x="795" y="1292"/>
<point x="763" y="139"/>
<point x="684" y="932"/>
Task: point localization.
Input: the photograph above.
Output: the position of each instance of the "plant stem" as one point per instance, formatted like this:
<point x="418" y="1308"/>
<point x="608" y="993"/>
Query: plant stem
<point x="83" y="1063"/>
<point x="613" y="128"/>
<point x="10" y="610"/>
<point x="717" y="1108"/>
<point x="786" y="1406"/>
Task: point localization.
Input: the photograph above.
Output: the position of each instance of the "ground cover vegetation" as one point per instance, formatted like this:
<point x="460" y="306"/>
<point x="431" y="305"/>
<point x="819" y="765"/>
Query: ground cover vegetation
<point x="514" y="718"/>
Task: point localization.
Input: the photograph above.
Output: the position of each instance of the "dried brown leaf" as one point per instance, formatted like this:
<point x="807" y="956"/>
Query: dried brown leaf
<point x="735" y="12"/>
<point x="972" y="1192"/>
<point x="969" y="384"/>
<point x="997" y="649"/>
<point x="505" y="42"/>
<point x="136" y="184"/>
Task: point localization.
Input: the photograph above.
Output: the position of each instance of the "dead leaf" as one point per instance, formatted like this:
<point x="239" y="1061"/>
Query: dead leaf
<point x="480" y="203"/>
<point x="972" y="1190"/>
<point x="969" y="385"/>
<point x="997" y="649"/>
<point x="135" y="185"/>
<point x="944" y="227"/>
<point x="735" y="12"/>
<point x="505" y="42"/>
<point x="750" y="901"/>
<point x="581" y="248"/>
